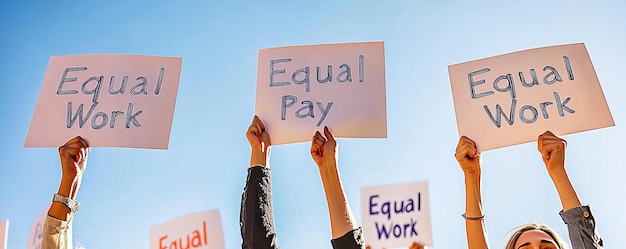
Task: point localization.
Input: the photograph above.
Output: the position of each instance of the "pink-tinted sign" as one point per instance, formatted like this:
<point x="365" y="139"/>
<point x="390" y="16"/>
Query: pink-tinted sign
<point x="513" y="98"/>
<point x="109" y="99"/>
<point x="35" y="236"/>
<point x="4" y="234"/>
<point x="396" y="215"/>
<point x="202" y="230"/>
<point x="301" y="89"/>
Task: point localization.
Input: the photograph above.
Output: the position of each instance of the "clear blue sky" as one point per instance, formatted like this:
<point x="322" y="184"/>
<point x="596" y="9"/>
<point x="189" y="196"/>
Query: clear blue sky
<point x="126" y="191"/>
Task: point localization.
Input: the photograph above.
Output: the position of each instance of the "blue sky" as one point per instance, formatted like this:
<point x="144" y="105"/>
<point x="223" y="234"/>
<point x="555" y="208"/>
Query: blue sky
<point x="126" y="191"/>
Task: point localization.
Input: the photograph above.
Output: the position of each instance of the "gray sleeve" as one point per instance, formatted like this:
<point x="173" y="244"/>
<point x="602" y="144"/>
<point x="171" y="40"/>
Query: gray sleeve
<point x="582" y="228"/>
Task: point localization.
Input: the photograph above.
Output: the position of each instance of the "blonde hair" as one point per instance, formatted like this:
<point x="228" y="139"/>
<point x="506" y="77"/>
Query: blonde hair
<point x="534" y="226"/>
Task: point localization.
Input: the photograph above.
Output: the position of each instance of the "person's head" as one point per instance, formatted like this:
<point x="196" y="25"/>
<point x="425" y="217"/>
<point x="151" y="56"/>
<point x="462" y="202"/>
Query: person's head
<point x="535" y="236"/>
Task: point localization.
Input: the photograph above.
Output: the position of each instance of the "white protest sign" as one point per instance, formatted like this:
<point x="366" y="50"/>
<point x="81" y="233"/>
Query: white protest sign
<point x="35" y="236"/>
<point x="396" y="215"/>
<point x="301" y="89"/>
<point x="108" y="99"/>
<point x="202" y="230"/>
<point x="513" y="98"/>
<point x="4" y="234"/>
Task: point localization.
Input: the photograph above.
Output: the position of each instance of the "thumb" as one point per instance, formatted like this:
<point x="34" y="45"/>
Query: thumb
<point x="265" y="138"/>
<point x="329" y="135"/>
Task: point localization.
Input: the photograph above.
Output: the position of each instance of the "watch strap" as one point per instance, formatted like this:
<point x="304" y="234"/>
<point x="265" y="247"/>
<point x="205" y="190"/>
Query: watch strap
<point x="73" y="205"/>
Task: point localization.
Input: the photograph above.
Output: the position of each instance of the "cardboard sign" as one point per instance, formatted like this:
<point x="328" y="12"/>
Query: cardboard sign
<point x="304" y="88"/>
<point x="202" y="230"/>
<point x="513" y="98"/>
<point x="4" y="234"/>
<point x="108" y="99"/>
<point x="35" y="236"/>
<point x="396" y="215"/>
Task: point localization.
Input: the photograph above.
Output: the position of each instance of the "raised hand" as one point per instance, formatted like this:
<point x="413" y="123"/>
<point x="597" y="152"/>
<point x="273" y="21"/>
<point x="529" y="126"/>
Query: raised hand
<point x="259" y="141"/>
<point x="467" y="155"/>
<point x="552" y="149"/>
<point x="73" y="156"/>
<point x="324" y="150"/>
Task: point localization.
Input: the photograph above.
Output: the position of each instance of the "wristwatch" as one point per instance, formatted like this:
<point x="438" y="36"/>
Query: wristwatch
<point x="71" y="204"/>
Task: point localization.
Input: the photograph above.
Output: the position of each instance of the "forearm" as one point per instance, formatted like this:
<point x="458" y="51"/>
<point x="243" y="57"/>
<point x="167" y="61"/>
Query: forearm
<point x="68" y="188"/>
<point x="567" y="194"/>
<point x="256" y="217"/>
<point x="475" y="228"/>
<point x="342" y="220"/>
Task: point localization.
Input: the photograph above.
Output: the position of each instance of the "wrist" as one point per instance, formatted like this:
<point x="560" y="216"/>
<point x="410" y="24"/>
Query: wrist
<point x="69" y="186"/>
<point x="328" y="169"/>
<point x="258" y="158"/>
<point x="472" y="174"/>
<point x="556" y="174"/>
<point x="556" y="170"/>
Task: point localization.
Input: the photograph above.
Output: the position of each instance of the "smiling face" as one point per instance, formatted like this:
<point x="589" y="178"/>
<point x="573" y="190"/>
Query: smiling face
<point x="535" y="239"/>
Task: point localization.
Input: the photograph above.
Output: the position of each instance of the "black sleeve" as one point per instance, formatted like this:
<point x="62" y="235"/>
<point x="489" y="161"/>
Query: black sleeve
<point x="256" y="217"/>
<point x="350" y="240"/>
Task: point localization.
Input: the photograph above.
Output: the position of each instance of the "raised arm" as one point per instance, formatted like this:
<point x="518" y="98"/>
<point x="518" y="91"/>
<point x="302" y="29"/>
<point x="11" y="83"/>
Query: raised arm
<point x="579" y="220"/>
<point x="469" y="160"/>
<point x="345" y="232"/>
<point x="256" y="214"/>
<point x="58" y="225"/>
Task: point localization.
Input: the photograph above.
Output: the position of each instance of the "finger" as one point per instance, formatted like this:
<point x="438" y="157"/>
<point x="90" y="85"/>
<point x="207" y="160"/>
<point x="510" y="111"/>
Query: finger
<point x="257" y="122"/>
<point x="83" y="142"/>
<point x="317" y="142"/>
<point x="316" y="149"/>
<point x="466" y="150"/>
<point x="546" y="149"/>
<point x="469" y="141"/>
<point x="73" y="140"/>
<point x="548" y="137"/>
<point x="320" y="141"/>
<point x="265" y="137"/>
<point x="463" y="140"/>
<point x="329" y="135"/>
<point x="553" y="147"/>
<point x="82" y="155"/>
<point x="253" y="129"/>
<point x="75" y="145"/>
<point x="318" y="137"/>
<point x="261" y="125"/>
<point x="70" y="153"/>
